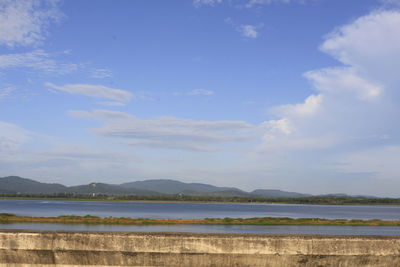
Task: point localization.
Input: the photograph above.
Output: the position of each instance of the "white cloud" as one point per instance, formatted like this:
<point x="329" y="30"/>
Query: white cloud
<point x="277" y="127"/>
<point x="333" y="80"/>
<point x="168" y="132"/>
<point x="352" y="117"/>
<point x="25" y="22"/>
<point x="37" y="60"/>
<point x="97" y="91"/>
<point x="248" y="31"/>
<point x="310" y="106"/>
<point x="368" y="47"/>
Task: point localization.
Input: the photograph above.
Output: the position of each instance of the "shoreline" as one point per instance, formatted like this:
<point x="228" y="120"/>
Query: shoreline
<point x="198" y="201"/>
<point x="6" y="218"/>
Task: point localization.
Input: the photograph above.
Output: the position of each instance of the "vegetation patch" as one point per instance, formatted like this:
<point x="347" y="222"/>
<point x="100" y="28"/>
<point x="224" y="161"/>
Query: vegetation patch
<point x="7" y="214"/>
<point x="89" y="219"/>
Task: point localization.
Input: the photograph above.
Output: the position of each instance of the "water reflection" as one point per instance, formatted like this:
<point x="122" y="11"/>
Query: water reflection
<point x="195" y="210"/>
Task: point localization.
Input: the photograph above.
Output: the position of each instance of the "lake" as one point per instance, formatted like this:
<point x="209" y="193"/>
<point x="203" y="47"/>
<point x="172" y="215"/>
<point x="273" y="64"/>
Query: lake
<point x="231" y="229"/>
<point x="157" y="210"/>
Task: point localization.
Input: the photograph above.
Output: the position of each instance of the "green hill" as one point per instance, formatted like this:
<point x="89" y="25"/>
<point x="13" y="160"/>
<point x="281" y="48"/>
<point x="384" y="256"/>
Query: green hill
<point x="101" y="188"/>
<point x="15" y="184"/>
<point x="166" y="186"/>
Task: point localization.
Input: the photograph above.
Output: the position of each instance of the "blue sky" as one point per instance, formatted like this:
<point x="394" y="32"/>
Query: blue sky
<point x="298" y="95"/>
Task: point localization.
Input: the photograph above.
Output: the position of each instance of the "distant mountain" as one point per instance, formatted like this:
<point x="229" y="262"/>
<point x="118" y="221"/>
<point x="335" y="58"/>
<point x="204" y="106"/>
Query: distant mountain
<point x="101" y="188"/>
<point x="15" y="184"/>
<point x="176" y="187"/>
<point x="4" y="191"/>
<point x="342" y="195"/>
<point x="277" y="193"/>
<point x="334" y="195"/>
<point x="223" y="193"/>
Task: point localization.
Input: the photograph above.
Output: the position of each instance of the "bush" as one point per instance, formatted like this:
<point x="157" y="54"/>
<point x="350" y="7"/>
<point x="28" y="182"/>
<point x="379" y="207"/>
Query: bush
<point x="4" y="214"/>
<point x="228" y="220"/>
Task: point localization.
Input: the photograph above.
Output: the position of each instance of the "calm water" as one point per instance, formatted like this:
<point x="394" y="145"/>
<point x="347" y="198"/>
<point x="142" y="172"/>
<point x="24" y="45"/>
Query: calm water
<point x="253" y="229"/>
<point x="195" y="210"/>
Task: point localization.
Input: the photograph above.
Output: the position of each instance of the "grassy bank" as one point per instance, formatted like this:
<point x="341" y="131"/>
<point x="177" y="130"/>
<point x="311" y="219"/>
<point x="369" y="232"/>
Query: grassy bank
<point x="88" y="219"/>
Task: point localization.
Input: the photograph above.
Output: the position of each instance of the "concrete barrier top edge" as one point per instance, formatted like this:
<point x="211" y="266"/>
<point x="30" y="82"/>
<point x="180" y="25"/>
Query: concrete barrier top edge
<point x="189" y="234"/>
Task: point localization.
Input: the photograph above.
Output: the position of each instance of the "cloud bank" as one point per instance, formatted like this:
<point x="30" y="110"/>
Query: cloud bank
<point x="354" y="111"/>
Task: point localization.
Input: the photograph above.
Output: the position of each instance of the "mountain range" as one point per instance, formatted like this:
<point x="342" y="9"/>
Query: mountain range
<point x="18" y="185"/>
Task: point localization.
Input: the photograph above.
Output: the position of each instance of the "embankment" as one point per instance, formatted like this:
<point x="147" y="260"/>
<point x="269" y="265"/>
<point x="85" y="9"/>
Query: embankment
<point x="48" y="248"/>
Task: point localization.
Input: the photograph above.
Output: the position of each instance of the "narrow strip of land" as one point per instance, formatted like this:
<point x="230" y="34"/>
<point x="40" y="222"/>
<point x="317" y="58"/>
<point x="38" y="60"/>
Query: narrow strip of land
<point x="314" y="200"/>
<point x="88" y="219"/>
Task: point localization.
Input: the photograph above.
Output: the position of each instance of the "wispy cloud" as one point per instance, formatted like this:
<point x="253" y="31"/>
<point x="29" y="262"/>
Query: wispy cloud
<point x="248" y="31"/>
<point x="201" y="92"/>
<point x="250" y="3"/>
<point x="390" y="2"/>
<point x="197" y="92"/>
<point x="198" y="3"/>
<point x="101" y="73"/>
<point x="11" y="137"/>
<point x="25" y="22"/>
<point x="111" y="103"/>
<point x="52" y="157"/>
<point x="5" y="92"/>
<point x="37" y="60"/>
<point x="97" y="91"/>
<point x="168" y="132"/>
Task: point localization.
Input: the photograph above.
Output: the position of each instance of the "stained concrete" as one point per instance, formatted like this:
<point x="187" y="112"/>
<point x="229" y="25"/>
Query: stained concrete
<point x="55" y="248"/>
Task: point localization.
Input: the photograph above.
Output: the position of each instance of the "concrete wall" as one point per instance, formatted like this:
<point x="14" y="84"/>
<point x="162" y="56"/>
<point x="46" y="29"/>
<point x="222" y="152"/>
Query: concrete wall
<point x="48" y="248"/>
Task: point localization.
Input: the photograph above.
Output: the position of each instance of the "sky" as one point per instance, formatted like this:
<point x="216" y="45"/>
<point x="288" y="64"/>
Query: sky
<point x="297" y="95"/>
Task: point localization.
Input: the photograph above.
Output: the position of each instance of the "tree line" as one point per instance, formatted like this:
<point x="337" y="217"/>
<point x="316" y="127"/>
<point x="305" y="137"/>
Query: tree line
<point x="321" y="200"/>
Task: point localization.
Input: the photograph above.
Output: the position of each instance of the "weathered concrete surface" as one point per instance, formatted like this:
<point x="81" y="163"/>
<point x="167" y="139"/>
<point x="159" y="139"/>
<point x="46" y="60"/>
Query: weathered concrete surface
<point x="50" y="248"/>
